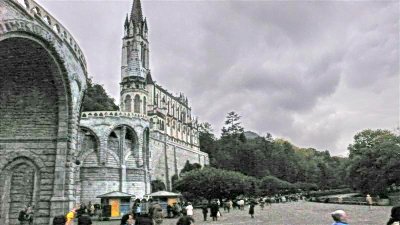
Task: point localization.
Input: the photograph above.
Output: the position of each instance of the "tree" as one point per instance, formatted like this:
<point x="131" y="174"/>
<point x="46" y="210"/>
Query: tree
<point x="97" y="99"/>
<point x="210" y="183"/>
<point x="157" y="185"/>
<point x="189" y="167"/>
<point x="374" y="161"/>
<point x="232" y="126"/>
<point x="366" y="139"/>
<point x="207" y="139"/>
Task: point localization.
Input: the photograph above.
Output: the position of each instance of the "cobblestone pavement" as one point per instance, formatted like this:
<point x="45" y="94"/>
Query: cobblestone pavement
<point x="298" y="213"/>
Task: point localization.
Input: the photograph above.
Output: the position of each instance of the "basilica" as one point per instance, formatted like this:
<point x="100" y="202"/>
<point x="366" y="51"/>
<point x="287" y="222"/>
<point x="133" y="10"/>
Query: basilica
<point x="151" y="137"/>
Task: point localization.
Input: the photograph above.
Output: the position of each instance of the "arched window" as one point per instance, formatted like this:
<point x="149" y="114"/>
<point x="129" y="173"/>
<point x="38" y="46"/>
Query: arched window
<point x="144" y="106"/>
<point x="137" y="104"/>
<point x="128" y="103"/>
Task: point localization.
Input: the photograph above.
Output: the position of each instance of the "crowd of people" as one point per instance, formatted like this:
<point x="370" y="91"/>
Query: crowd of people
<point x="148" y="212"/>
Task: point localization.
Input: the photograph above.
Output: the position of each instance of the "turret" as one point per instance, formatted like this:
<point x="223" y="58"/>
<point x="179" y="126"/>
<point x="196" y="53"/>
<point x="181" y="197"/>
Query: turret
<point x="135" y="62"/>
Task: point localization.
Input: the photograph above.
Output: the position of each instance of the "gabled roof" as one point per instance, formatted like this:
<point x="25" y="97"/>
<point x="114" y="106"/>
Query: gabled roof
<point x="115" y="194"/>
<point x="164" y="194"/>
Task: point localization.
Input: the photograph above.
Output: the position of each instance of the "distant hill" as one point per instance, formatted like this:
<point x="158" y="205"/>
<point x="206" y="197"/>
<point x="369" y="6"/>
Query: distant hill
<point x="251" y="135"/>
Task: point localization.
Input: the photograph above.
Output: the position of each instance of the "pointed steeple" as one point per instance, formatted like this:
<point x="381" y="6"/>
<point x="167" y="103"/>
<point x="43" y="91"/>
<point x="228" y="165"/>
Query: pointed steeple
<point x="126" y="21"/>
<point x="136" y="12"/>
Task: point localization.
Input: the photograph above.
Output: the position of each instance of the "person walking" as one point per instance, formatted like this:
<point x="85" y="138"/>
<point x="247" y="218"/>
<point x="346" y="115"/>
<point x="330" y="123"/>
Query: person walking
<point x="189" y="210"/>
<point x="71" y="216"/>
<point x="204" y="209"/>
<point x="339" y="217"/>
<point x="251" y="209"/>
<point x="214" y="211"/>
<point x="369" y="201"/>
<point x="84" y="219"/>
<point x="394" y="216"/>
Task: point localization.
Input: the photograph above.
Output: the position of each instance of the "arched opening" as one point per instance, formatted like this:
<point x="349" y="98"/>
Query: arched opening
<point x="88" y="145"/>
<point x="128" y="103"/>
<point x="19" y="188"/>
<point x="34" y="114"/>
<point x="137" y="104"/>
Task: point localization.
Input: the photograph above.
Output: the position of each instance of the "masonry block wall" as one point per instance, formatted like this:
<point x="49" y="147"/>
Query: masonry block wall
<point x="169" y="158"/>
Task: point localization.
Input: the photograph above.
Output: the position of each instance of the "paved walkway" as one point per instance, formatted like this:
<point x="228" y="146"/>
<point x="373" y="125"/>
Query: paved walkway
<point x="298" y="213"/>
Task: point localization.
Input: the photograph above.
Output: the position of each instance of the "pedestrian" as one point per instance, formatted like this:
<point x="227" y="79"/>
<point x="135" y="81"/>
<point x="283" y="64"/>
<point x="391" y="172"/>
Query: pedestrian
<point x="29" y="213"/>
<point x="214" y="211"/>
<point x="185" y="219"/>
<point x="394" y="216"/>
<point x="340" y="217"/>
<point x="189" y="210"/>
<point x="144" y="219"/>
<point x="169" y="211"/>
<point x="71" y="216"/>
<point x="251" y="209"/>
<point x="84" y="219"/>
<point x="156" y="213"/>
<point x="23" y="216"/>
<point x="124" y="218"/>
<point x="369" y="201"/>
<point x="59" y="220"/>
<point x="204" y="209"/>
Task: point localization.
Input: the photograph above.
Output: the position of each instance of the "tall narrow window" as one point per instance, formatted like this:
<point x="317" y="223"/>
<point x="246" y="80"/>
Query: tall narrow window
<point x="128" y="103"/>
<point x="137" y="104"/>
<point x="144" y="106"/>
<point x="143" y="56"/>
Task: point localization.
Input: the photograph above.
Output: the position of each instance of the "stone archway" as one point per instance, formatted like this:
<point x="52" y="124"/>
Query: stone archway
<point x="34" y="118"/>
<point x="19" y="188"/>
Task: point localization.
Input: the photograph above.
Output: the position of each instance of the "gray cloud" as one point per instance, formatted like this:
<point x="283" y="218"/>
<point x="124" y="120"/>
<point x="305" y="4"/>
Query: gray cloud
<point x="312" y="72"/>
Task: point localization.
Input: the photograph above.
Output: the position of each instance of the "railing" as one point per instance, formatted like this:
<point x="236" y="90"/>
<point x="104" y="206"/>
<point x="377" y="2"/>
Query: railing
<point x="113" y="114"/>
<point x="36" y="11"/>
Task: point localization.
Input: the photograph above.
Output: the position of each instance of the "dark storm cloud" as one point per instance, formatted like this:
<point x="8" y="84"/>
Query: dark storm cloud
<point x="312" y="72"/>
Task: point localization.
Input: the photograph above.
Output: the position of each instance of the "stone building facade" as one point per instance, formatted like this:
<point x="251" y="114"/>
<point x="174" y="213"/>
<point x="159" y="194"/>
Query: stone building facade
<point x="52" y="155"/>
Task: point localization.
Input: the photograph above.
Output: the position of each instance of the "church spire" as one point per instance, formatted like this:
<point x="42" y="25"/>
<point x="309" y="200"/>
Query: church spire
<point x="136" y="12"/>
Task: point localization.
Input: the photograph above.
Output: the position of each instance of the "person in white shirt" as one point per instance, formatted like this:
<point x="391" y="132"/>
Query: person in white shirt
<point x="189" y="209"/>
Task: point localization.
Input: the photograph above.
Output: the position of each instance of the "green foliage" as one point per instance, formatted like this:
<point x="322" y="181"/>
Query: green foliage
<point x="157" y="185"/>
<point x="272" y="185"/>
<point x="189" y="167"/>
<point x="97" y="99"/>
<point x="375" y="161"/>
<point x="232" y="126"/>
<point x="264" y="156"/>
<point x="212" y="183"/>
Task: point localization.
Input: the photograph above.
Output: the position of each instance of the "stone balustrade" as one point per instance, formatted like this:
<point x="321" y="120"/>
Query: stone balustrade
<point x="36" y="11"/>
<point x="112" y="114"/>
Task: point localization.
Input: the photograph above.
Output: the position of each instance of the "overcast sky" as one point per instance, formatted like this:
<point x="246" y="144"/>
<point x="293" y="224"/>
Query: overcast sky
<point x="314" y="73"/>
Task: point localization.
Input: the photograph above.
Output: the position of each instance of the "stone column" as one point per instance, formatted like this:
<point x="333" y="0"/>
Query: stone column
<point x="121" y="146"/>
<point x="167" y="183"/>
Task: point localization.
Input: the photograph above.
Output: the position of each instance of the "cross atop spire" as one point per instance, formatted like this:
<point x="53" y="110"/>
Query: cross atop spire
<point x="136" y="12"/>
